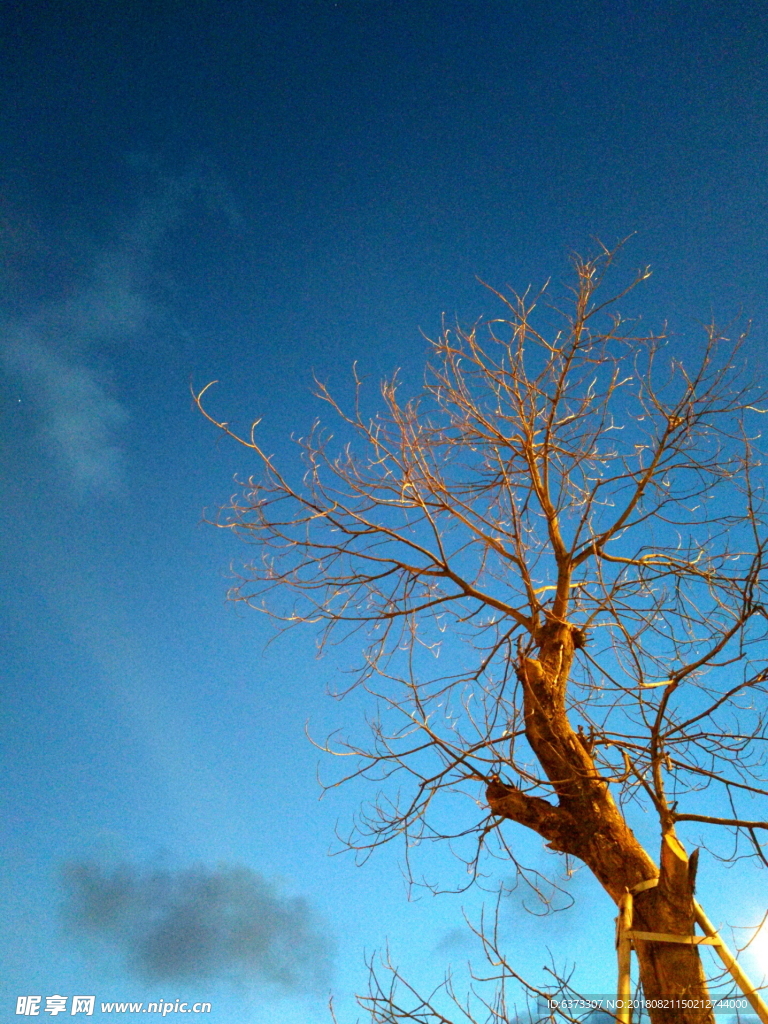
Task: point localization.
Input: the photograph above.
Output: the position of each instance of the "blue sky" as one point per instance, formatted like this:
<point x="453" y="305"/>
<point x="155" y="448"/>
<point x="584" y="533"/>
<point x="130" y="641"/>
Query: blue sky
<point x="252" y="192"/>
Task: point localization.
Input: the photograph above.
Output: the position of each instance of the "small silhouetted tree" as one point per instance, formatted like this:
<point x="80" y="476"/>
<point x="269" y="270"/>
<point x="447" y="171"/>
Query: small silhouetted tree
<point x="552" y="559"/>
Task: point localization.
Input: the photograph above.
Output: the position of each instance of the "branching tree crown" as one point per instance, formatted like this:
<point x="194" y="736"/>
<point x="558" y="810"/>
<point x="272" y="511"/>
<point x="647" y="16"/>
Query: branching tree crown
<point x="554" y="560"/>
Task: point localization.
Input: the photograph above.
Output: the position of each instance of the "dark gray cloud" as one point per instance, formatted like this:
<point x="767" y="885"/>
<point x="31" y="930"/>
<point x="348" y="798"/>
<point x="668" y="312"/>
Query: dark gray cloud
<point x="457" y="940"/>
<point x="184" y="925"/>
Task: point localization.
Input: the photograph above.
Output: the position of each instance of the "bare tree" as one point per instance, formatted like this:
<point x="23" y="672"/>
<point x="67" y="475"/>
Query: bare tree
<point x="553" y="559"/>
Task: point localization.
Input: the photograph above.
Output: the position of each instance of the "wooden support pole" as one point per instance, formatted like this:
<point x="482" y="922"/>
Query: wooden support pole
<point x="624" y="956"/>
<point x="729" y="960"/>
<point x="625" y="935"/>
<point x="687" y="940"/>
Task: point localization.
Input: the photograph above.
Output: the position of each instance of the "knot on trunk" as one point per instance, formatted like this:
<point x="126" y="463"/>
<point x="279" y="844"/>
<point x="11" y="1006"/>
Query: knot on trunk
<point x="559" y="633"/>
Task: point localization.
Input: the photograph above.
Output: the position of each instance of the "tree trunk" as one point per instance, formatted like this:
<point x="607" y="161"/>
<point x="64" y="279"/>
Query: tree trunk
<point x="586" y="823"/>
<point x="668" y="969"/>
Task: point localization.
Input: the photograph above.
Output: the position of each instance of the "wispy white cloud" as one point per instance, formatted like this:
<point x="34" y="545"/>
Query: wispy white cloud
<point x="52" y="350"/>
<point x="81" y="421"/>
